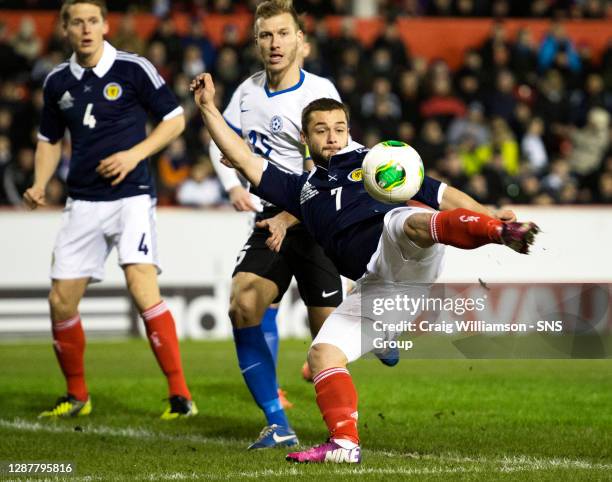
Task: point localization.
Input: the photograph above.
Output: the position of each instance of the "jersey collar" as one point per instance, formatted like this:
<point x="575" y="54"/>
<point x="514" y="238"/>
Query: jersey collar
<point x="109" y="54"/>
<point x="279" y="92"/>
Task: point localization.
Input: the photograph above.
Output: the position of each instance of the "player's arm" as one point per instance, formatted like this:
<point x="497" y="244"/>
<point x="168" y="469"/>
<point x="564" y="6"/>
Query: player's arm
<point x="120" y="164"/>
<point x="239" y="196"/>
<point x="46" y="160"/>
<point x="231" y="145"/>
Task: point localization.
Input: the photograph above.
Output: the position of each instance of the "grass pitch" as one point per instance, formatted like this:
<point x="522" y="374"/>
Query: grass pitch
<point x="422" y="420"/>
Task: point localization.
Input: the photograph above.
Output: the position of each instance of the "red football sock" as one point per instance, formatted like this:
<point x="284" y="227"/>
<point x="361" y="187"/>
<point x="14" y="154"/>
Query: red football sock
<point x="69" y="346"/>
<point x="465" y="229"/>
<point x="161" y="332"/>
<point x="337" y="400"/>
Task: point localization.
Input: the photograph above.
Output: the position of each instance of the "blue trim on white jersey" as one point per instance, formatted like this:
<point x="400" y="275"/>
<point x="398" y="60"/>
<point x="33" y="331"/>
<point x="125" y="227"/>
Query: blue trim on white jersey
<point x="234" y="128"/>
<point x="295" y="87"/>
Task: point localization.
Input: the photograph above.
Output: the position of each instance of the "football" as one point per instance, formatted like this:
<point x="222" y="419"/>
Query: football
<point x="392" y="172"/>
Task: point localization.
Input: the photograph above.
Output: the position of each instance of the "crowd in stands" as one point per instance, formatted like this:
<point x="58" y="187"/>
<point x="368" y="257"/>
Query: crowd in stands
<point x="520" y="121"/>
<point x="571" y="9"/>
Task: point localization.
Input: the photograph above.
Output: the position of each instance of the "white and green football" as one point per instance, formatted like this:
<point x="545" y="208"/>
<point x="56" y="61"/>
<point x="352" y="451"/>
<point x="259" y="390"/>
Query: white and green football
<point x="392" y="172"/>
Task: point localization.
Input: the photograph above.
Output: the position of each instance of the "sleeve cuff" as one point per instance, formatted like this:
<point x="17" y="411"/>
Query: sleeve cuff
<point x="441" y="190"/>
<point x="40" y="137"/>
<point x="174" y="113"/>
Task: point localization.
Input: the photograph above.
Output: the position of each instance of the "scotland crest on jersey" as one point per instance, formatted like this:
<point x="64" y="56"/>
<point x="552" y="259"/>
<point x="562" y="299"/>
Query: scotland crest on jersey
<point x="112" y="91"/>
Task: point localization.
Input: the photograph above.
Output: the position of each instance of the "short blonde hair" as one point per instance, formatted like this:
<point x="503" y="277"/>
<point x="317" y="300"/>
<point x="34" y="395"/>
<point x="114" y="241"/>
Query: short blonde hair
<point x="272" y="8"/>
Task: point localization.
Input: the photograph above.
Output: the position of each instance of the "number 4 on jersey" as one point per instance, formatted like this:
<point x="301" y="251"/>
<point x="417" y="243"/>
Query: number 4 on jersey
<point x="89" y="120"/>
<point x="142" y="246"/>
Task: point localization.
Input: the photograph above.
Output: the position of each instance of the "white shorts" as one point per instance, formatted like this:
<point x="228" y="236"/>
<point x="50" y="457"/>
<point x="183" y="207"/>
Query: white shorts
<point x="396" y="264"/>
<point x="90" y="230"/>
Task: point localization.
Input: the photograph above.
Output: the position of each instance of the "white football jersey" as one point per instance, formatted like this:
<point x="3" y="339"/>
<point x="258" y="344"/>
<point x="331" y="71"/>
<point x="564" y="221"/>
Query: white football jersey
<point x="271" y="121"/>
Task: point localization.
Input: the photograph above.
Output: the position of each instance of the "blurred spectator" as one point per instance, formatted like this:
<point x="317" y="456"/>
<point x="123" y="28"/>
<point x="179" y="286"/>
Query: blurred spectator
<point x="558" y="50"/>
<point x="442" y="105"/>
<point x="127" y="38"/>
<point x="381" y="93"/>
<point x="524" y="57"/>
<point x="604" y="189"/>
<point x="559" y="175"/>
<point x="197" y="37"/>
<point x="529" y="188"/>
<point x="478" y="188"/>
<point x="192" y="61"/>
<point x="202" y="188"/>
<point x="532" y="146"/>
<point x="165" y="33"/>
<point x="431" y="144"/>
<point x="451" y="168"/>
<point x="173" y="169"/>
<point x="228" y="70"/>
<point x="158" y="56"/>
<point x="472" y="124"/>
<point x="390" y="40"/>
<point x="552" y="104"/>
<point x="589" y="144"/>
<point x="25" y="42"/>
<point x="594" y="94"/>
<point x="19" y="175"/>
<point x="501" y="101"/>
<point x="410" y="96"/>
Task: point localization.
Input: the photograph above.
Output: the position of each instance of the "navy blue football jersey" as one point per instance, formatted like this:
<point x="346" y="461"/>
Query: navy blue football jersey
<point x="336" y="209"/>
<point x="105" y="109"/>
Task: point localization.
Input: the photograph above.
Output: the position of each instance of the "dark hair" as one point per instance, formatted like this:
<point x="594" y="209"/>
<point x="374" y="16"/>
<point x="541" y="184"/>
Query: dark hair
<point x="323" y="104"/>
<point x="65" y="16"/>
<point x="272" y="8"/>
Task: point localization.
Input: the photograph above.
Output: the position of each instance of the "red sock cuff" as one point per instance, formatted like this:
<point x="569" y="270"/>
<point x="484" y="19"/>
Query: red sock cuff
<point x="66" y="324"/>
<point x="322" y="375"/>
<point x="154" y="311"/>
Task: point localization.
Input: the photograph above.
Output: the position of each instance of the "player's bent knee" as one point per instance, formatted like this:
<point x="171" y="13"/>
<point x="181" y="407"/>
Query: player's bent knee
<point x="62" y="305"/>
<point x="323" y="356"/>
<point x="242" y="311"/>
<point x="416" y="228"/>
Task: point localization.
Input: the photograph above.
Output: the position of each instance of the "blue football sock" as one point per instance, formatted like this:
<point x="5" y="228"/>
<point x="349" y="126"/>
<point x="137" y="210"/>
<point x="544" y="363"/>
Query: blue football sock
<point x="257" y="367"/>
<point x="270" y="331"/>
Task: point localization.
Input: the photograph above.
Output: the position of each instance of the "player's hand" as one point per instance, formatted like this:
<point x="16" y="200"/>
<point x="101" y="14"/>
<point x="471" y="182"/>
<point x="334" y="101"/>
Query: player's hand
<point x="277" y="226"/>
<point x="34" y="197"/>
<point x="118" y="166"/>
<point x="241" y="199"/>
<point x="506" y="215"/>
<point x="203" y="90"/>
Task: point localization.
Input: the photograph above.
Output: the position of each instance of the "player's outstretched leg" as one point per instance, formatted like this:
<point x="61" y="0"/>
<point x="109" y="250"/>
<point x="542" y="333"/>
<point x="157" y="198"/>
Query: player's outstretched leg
<point x="251" y="296"/>
<point x="69" y="347"/>
<point x="467" y="229"/>
<point x="337" y="401"/>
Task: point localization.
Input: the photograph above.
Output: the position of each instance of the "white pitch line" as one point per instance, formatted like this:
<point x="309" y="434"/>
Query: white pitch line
<point x="505" y="464"/>
<point x="128" y="432"/>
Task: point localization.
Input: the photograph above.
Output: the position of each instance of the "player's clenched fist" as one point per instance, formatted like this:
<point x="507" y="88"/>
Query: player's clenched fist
<point x="34" y="197"/>
<point x="203" y="90"/>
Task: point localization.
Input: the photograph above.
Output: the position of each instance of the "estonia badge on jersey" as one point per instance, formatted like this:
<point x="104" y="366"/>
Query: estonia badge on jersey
<point x="112" y="91"/>
<point x="276" y="124"/>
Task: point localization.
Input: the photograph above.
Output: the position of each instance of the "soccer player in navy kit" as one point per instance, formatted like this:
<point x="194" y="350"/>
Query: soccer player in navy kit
<point x="102" y="96"/>
<point x="367" y="240"/>
<point x="266" y="110"/>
